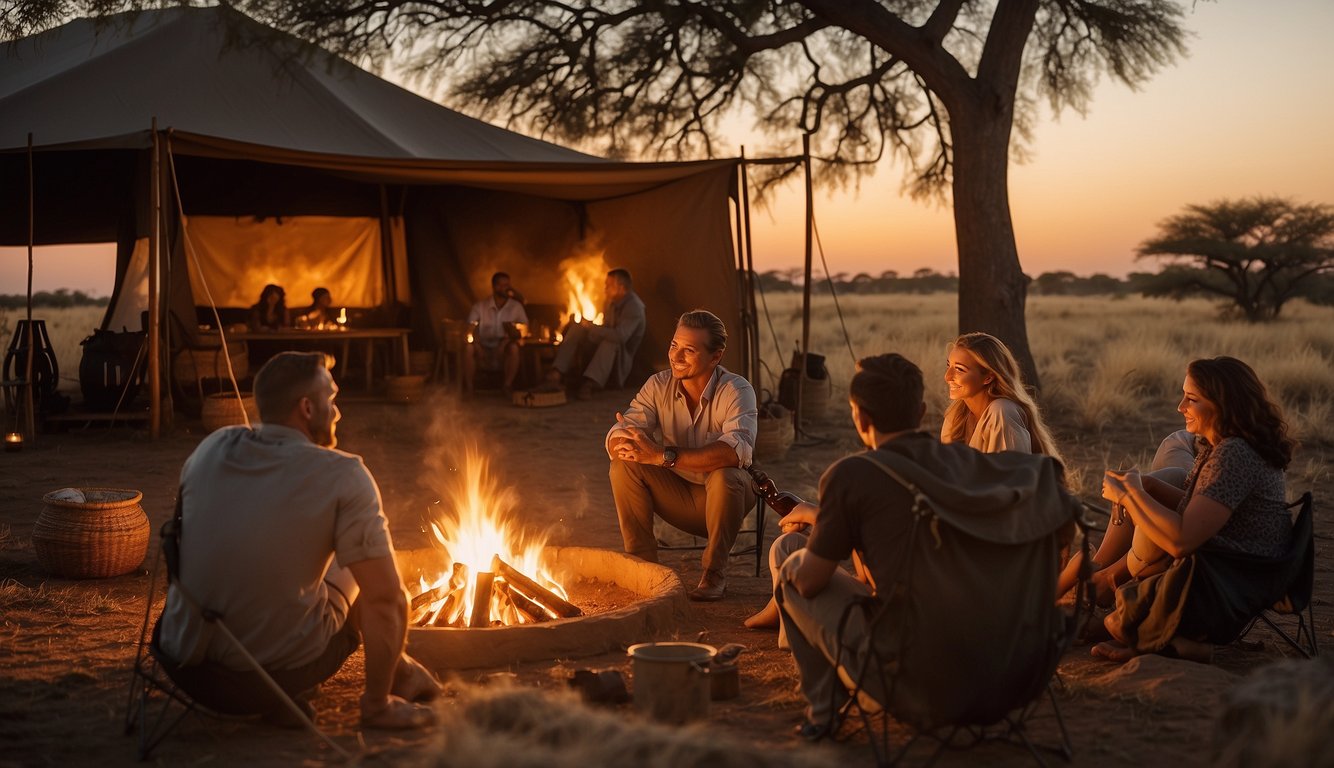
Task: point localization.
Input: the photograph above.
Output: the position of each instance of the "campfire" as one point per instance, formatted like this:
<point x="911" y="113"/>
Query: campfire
<point x="491" y="573"/>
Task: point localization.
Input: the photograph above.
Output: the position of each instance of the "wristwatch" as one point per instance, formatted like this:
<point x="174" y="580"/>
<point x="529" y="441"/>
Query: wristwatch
<point x="669" y="456"/>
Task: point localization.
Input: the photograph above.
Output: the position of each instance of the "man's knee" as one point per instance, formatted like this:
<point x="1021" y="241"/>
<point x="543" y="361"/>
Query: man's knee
<point x="788" y="570"/>
<point x="621" y="469"/>
<point x="786" y="544"/>
<point x="727" y="480"/>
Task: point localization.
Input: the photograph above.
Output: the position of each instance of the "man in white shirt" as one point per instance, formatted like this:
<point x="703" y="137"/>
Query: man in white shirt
<point x="679" y="450"/>
<point x="495" y="338"/>
<point x="284" y="537"/>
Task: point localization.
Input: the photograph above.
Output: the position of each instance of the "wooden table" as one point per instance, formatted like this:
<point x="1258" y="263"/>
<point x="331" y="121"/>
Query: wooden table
<point x="345" y="337"/>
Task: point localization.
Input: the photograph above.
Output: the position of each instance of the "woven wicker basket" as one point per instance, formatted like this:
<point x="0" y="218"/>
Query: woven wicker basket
<point x="107" y="535"/>
<point x="774" y="434"/>
<point x="223" y="409"/>
<point x="815" y="396"/>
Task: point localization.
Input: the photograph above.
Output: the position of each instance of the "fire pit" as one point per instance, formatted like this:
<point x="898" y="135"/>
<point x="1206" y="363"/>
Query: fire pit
<point x="655" y="610"/>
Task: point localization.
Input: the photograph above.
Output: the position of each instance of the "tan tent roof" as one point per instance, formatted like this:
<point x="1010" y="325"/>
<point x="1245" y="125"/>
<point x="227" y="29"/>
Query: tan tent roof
<point x="216" y="72"/>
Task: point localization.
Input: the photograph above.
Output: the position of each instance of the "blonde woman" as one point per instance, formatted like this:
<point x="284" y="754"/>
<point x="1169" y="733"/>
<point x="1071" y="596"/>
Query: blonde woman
<point x="990" y="409"/>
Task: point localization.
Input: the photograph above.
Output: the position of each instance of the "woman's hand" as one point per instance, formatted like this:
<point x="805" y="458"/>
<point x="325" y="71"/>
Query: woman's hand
<point x="1115" y="484"/>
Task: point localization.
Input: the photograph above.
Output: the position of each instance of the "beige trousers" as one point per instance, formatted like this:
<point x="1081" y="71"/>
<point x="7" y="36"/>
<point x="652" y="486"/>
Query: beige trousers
<point x="713" y="510"/>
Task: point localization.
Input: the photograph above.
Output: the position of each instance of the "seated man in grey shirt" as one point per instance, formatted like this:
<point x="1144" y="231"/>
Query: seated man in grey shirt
<point x="284" y="537"/>
<point x="679" y="450"/>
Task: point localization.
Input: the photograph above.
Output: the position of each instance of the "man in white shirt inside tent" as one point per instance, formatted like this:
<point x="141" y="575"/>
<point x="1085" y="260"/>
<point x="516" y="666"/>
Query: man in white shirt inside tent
<point x="495" y="344"/>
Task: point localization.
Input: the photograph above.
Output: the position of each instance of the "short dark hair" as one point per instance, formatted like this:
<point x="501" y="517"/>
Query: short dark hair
<point x="622" y="276"/>
<point x="284" y="380"/>
<point x="888" y="388"/>
<point x="703" y="318"/>
<point x="318" y="292"/>
<point x="497" y="277"/>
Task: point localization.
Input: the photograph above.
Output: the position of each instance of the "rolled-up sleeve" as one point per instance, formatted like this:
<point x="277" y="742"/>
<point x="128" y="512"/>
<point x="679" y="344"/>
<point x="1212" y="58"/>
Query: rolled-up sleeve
<point x="642" y="413"/>
<point x="738" y="418"/>
<point x="361" y="531"/>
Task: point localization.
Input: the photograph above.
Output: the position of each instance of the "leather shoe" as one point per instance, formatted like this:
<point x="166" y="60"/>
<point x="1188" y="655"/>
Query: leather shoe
<point x="711" y="588"/>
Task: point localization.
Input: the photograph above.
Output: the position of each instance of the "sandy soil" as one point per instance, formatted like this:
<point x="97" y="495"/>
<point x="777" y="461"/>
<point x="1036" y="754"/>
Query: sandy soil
<point x="66" y="647"/>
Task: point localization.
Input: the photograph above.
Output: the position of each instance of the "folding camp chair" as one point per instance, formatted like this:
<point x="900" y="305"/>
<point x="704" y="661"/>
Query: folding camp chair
<point x="994" y="707"/>
<point x="1294" y="607"/>
<point x="155" y="718"/>
<point x="760" y="551"/>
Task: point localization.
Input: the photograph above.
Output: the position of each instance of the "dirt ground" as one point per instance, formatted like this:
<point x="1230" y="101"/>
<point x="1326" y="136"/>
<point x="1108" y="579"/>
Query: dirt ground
<point x="66" y="646"/>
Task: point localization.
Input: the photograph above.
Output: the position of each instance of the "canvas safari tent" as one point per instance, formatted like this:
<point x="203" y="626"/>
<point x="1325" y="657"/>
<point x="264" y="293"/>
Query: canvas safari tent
<point x="221" y="155"/>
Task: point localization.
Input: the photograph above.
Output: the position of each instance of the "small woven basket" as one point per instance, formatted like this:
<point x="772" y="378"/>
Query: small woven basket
<point x="223" y="409"/>
<point x="774" y="433"/>
<point x="107" y="535"/>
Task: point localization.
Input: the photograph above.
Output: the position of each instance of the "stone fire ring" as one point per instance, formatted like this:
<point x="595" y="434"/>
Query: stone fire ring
<point x="658" y="611"/>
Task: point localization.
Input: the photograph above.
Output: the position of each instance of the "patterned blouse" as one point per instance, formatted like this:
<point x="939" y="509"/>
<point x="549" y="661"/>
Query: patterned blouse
<point x="1233" y="474"/>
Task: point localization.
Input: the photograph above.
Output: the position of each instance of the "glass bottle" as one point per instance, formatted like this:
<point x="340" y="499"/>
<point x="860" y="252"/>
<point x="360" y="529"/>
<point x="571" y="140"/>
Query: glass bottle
<point x="781" y="502"/>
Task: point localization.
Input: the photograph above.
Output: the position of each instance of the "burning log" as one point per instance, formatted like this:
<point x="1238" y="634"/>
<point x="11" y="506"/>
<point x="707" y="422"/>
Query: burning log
<point x="430" y="596"/>
<point x="440" y="617"/>
<point x="419" y="606"/>
<point x="536" y="592"/>
<point x="530" y="608"/>
<point x="481" y="600"/>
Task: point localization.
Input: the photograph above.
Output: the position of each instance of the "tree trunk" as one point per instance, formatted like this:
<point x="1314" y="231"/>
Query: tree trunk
<point x="992" y="286"/>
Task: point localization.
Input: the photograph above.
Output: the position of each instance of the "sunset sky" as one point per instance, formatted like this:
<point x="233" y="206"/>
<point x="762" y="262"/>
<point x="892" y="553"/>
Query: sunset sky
<point x="1250" y="111"/>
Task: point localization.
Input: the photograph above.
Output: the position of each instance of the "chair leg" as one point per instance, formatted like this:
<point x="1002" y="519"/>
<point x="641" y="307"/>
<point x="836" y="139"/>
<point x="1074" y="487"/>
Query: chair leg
<point x="760" y="508"/>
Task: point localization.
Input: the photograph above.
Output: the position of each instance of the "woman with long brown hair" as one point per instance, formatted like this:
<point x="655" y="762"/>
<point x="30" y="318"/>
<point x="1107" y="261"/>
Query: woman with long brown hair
<point x="1180" y="547"/>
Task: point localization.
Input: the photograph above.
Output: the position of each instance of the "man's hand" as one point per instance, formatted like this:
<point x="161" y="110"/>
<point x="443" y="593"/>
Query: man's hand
<point x="635" y="444"/>
<point x="801" y="518"/>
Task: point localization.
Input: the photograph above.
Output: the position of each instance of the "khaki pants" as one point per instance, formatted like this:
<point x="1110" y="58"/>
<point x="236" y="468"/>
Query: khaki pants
<point x="810" y="625"/>
<point x="713" y="510"/>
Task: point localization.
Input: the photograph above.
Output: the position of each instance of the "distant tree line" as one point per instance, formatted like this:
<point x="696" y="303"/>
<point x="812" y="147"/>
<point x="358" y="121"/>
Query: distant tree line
<point x="1175" y="281"/>
<point x="59" y="298"/>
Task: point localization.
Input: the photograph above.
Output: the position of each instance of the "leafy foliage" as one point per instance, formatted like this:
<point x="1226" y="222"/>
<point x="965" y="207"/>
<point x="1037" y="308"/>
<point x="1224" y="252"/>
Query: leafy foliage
<point x="1259" y="252"/>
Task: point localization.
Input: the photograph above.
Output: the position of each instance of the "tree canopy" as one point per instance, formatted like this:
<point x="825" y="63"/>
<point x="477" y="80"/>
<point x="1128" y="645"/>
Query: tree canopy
<point x="1258" y="252"/>
<point x="942" y="87"/>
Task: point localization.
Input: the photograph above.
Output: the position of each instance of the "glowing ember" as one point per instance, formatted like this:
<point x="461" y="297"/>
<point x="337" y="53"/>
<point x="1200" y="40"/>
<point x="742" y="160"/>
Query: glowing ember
<point x="584" y="276"/>
<point x="491" y="572"/>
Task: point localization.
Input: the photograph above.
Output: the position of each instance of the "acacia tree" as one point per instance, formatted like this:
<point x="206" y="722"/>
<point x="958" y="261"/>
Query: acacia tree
<point x="1258" y="252"/>
<point x="945" y="87"/>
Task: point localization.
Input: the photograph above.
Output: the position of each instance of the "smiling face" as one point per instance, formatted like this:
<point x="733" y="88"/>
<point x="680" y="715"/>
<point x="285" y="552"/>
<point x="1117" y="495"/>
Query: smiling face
<point x="1200" y="412"/>
<point x="689" y="354"/>
<point x="965" y="376"/>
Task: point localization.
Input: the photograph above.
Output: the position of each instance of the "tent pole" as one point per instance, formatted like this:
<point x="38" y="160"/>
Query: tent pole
<point x="387" y="249"/>
<point x="739" y="263"/>
<point x="806" y="284"/>
<point x="753" y="359"/>
<point x="29" y="416"/>
<point x="154" y="274"/>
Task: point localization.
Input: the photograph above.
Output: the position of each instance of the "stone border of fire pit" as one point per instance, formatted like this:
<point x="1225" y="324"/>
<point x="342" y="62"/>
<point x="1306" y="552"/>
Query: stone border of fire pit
<point x="657" y="613"/>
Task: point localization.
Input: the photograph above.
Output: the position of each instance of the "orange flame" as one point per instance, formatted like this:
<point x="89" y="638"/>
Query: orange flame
<point x="583" y="274"/>
<point x="481" y="526"/>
